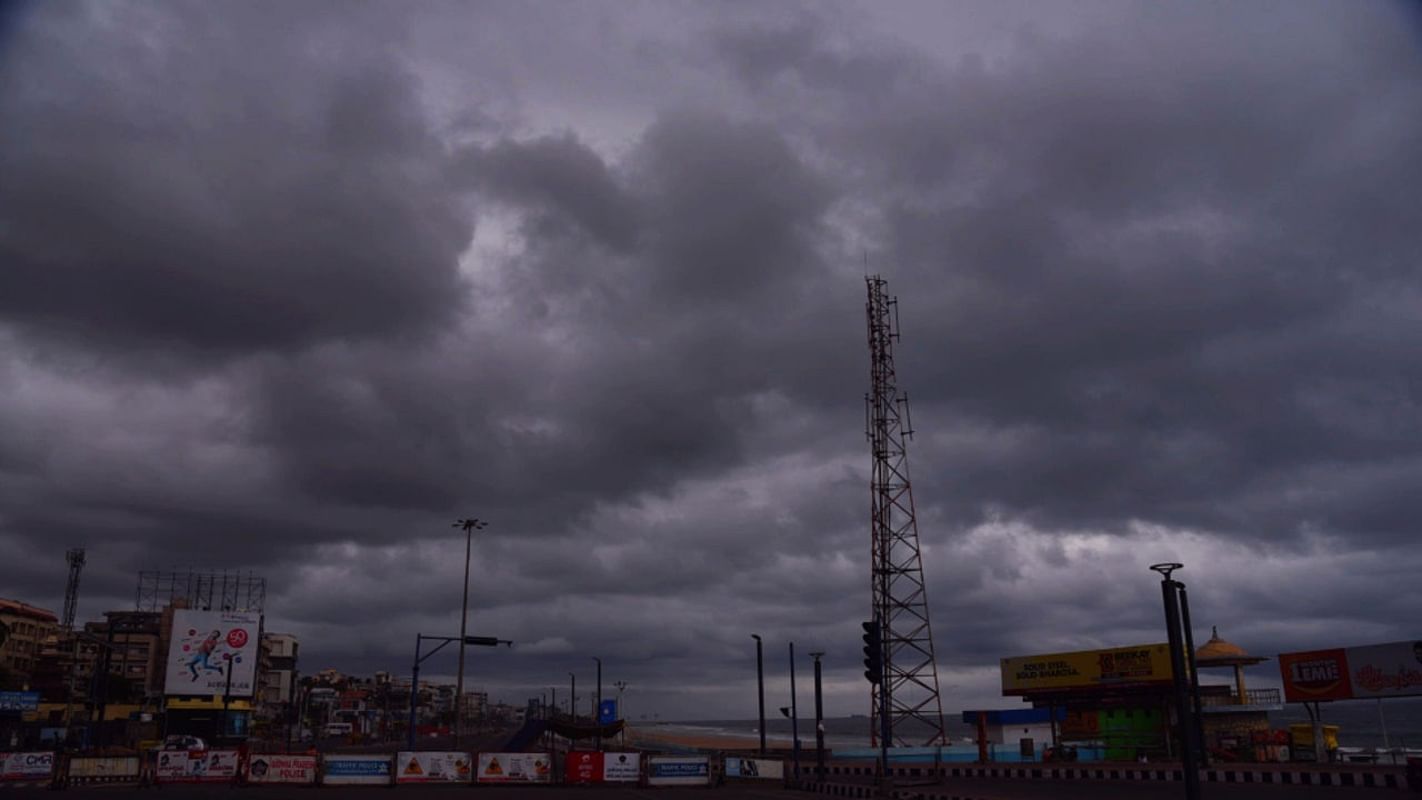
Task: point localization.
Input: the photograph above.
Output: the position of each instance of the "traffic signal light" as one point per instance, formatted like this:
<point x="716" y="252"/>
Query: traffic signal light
<point x="873" y="652"/>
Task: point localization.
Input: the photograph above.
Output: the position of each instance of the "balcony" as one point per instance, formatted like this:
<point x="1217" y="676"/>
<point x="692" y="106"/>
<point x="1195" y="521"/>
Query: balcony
<point x="1253" y="700"/>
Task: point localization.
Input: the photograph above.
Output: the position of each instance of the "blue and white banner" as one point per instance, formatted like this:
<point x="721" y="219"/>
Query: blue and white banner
<point x="607" y="712"/>
<point x="678" y="771"/>
<point x="19" y="701"/>
<point x="349" y="770"/>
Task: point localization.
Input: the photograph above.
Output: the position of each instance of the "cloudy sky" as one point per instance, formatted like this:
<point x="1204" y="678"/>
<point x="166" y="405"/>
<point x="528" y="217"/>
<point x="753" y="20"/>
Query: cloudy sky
<point x="289" y="288"/>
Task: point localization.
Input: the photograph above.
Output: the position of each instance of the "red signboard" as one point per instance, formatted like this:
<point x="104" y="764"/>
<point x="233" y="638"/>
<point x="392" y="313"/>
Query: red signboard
<point x="584" y="766"/>
<point x="1315" y="675"/>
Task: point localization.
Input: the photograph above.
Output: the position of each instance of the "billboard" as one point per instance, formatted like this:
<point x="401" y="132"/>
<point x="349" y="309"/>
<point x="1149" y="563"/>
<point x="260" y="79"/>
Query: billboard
<point x="273" y="768"/>
<point x="196" y="766"/>
<point x="26" y="766"/>
<point x="754" y="768"/>
<point x="1138" y="665"/>
<point x="621" y="767"/>
<point x="430" y="767"/>
<point x="678" y="771"/>
<point x="205" y="645"/>
<point x="19" y="701"/>
<point x="343" y="770"/>
<point x="515" y="768"/>
<point x="1393" y="669"/>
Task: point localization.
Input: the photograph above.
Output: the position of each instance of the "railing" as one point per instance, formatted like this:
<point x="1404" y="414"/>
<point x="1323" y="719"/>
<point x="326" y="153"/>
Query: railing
<point x="1252" y="697"/>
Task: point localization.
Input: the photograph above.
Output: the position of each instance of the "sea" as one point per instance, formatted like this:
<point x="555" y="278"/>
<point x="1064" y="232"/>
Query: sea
<point x="1361" y="723"/>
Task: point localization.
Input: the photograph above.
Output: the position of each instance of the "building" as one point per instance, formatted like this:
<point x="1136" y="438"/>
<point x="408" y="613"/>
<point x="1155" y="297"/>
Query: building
<point x="1235" y="719"/>
<point x="131" y="647"/>
<point x="25" y="627"/>
<point x="277" y="679"/>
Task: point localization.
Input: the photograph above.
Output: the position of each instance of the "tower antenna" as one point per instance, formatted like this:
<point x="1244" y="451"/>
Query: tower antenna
<point x="75" y="557"/>
<point x="900" y="600"/>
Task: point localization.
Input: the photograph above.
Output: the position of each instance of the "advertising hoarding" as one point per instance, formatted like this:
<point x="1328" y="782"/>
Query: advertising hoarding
<point x="19" y="701"/>
<point x="268" y="768"/>
<point x="621" y="767"/>
<point x="582" y="766"/>
<point x="26" y="766"/>
<point x="103" y="767"/>
<point x="1315" y="675"/>
<point x="356" y="770"/>
<point x="1393" y="669"/>
<point x="754" y="768"/>
<point x="205" y="645"/>
<point x="196" y="766"/>
<point x="425" y="767"/>
<point x="1386" y="670"/>
<point x="514" y="768"/>
<point x="678" y="771"/>
<point x="1137" y="665"/>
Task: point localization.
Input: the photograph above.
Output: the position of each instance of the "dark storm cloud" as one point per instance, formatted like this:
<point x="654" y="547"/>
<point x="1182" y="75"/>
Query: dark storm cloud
<point x="174" y="179"/>
<point x="1158" y="297"/>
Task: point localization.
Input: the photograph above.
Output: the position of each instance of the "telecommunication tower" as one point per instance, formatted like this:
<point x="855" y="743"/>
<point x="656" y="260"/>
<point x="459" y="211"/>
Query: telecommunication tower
<point x="75" y="557"/>
<point x="900" y="601"/>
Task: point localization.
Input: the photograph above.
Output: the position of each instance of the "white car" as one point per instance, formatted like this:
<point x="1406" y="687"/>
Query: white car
<point x="180" y="742"/>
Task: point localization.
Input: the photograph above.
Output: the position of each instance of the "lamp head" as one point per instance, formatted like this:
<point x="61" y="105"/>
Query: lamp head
<point x="1166" y="568"/>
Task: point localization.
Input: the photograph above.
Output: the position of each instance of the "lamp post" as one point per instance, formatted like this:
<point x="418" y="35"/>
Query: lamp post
<point x="760" y="687"/>
<point x="573" y="697"/>
<point x="597" y="709"/>
<point x="794" y="718"/>
<point x="819" y="722"/>
<point x="621" y="713"/>
<point x="1170" y="590"/>
<point x="469" y="526"/>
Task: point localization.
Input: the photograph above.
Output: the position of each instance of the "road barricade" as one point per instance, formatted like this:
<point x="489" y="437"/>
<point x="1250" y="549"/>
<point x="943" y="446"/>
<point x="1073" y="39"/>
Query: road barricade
<point x="264" y="768"/>
<point x="678" y="771"/>
<point x="432" y="767"/>
<point x="196" y="766"/>
<point x="27" y="767"/>
<point x="515" y="768"/>
<point x="86" y="770"/>
<point x="351" y="770"/>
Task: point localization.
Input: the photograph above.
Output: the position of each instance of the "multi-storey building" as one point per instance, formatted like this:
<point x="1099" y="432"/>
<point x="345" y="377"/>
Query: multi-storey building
<point x="26" y="628"/>
<point x="277" y="679"/>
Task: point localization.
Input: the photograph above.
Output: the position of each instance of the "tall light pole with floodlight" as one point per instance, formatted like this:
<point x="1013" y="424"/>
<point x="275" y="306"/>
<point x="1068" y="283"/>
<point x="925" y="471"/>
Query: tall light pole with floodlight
<point x="469" y="526"/>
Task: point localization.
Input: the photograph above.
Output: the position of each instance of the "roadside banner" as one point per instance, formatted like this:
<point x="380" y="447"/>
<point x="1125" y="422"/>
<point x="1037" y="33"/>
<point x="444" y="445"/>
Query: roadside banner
<point x="269" y="768"/>
<point x="26" y="766"/>
<point x="425" y="767"/>
<point x="754" y="768"/>
<point x="515" y="768"/>
<point x="582" y="766"/>
<point x="196" y="766"/>
<point x="356" y="770"/>
<point x="1392" y="669"/>
<point x="621" y="767"/>
<point x="678" y="771"/>
<point x="84" y="767"/>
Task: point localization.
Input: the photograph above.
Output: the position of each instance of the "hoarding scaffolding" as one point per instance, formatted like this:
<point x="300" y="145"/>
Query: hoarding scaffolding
<point x="900" y="602"/>
<point x="204" y="590"/>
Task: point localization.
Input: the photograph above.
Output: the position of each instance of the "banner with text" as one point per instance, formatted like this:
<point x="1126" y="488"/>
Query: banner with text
<point x="1087" y="669"/>
<point x="678" y="771"/>
<point x="196" y="766"/>
<point x="355" y="770"/>
<point x="267" y="768"/>
<point x="19" y="701"/>
<point x="103" y="767"/>
<point x="206" y="647"/>
<point x="26" y="766"/>
<point x="1393" y="669"/>
<point x="424" y="767"/>
<point x="621" y="767"/>
<point x="515" y="768"/>
<point x="582" y="766"/>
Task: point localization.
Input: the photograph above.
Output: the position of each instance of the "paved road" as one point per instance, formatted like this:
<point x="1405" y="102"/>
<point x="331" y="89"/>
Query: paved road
<point x="1017" y="789"/>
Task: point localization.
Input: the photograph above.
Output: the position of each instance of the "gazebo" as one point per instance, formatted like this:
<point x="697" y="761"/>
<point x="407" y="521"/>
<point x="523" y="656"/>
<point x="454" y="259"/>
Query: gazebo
<point x="1219" y="653"/>
<point x="1234" y="720"/>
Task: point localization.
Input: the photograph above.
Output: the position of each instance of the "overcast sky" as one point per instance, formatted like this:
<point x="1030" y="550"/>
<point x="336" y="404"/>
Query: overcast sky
<point x="290" y="287"/>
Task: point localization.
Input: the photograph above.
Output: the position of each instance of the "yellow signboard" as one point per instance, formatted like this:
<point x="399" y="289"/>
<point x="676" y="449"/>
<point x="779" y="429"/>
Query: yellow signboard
<point x="1087" y="669"/>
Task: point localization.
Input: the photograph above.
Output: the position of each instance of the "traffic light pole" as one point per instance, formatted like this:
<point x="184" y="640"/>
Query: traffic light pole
<point x="420" y="638"/>
<point x="874" y="662"/>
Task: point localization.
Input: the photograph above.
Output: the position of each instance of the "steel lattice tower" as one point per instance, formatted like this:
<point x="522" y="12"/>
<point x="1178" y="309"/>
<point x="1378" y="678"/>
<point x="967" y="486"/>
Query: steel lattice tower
<point x="75" y="557"/>
<point x="899" y="596"/>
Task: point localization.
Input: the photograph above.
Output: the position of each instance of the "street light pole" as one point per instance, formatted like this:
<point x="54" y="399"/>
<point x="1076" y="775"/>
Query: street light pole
<point x="794" y="717"/>
<point x="621" y="712"/>
<point x="469" y="526"/>
<point x="573" y="697"/>
<point x="819" y="722"/>
<point x="760" y="687"/>
<point x="597" y="710"/>
<point x="1170" y="593"/>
